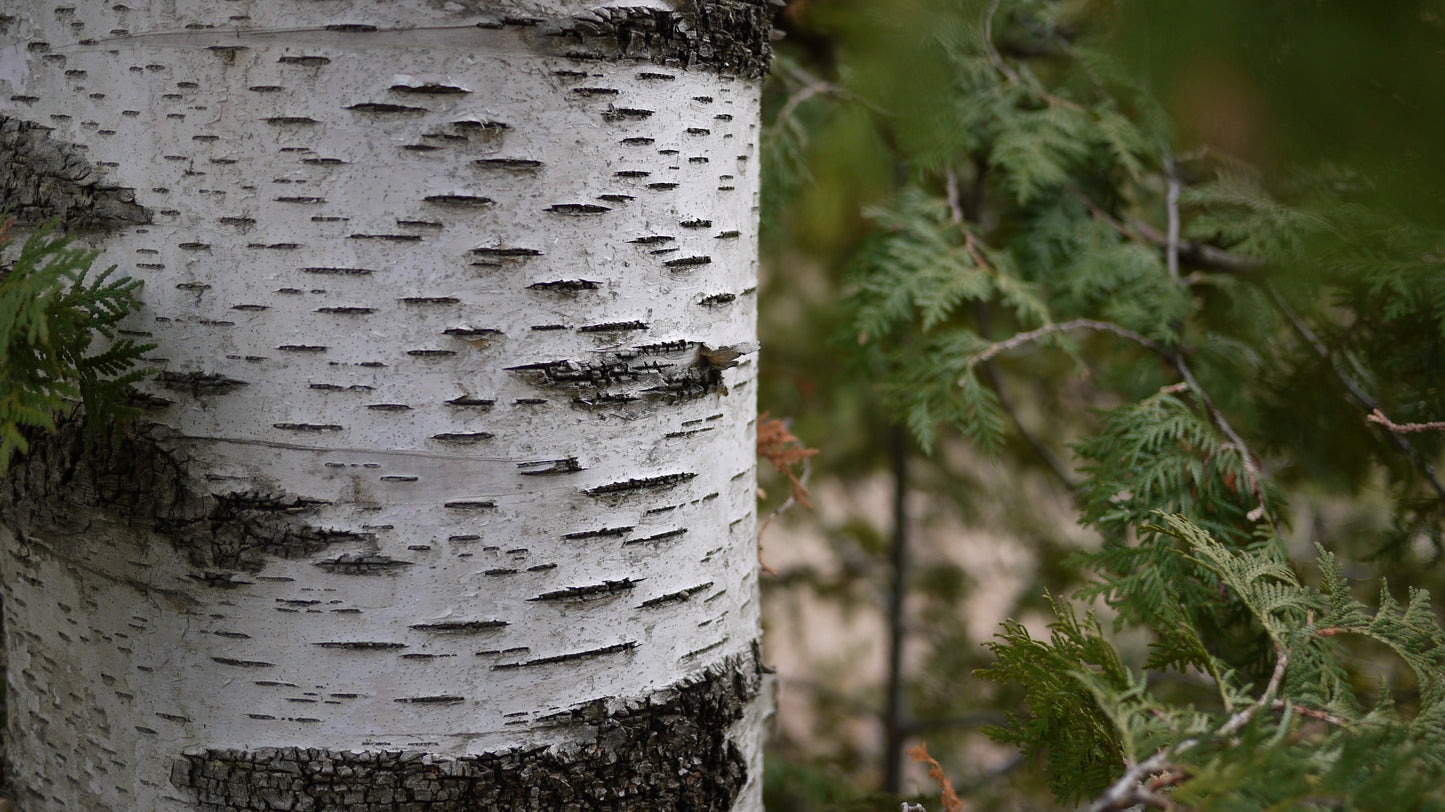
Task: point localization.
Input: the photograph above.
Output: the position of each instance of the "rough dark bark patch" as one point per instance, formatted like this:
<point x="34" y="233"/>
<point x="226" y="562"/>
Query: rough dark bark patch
<point x="732" y="37"/>
<point x="43" y="178"/>
<point x="677" y="370"/>
<point x="668" y="751"/>
<point x="60" y="485"/>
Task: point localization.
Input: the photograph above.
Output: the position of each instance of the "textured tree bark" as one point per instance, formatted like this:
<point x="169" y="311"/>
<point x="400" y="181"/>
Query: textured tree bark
<point x="444" y="498"/>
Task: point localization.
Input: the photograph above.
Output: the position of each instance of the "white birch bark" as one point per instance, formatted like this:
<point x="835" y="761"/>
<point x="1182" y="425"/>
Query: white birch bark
<point x="445" y="496"/>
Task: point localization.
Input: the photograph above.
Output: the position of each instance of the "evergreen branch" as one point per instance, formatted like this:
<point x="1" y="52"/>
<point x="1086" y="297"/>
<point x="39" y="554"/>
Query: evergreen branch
<point x="1251" y="464"/>
<point x="1191" y="252"/>
<point x="1355" y="392"/>
<point x="1020" y="339"/>
<point x="1136" y="786"/>
<point x="49" y="315"/>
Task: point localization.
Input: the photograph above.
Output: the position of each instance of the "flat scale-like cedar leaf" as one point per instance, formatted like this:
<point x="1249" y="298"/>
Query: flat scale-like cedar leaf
<point x="50" y="310"/>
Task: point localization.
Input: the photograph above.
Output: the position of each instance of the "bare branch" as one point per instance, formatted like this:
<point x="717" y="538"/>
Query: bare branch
<point x="813" y="85"/>
<point x="1240" y="719"/>
<point x="950" y="184"/>
<point x="1171" y="205"/>
<point x="1251" y="464"/>
<point x="785" y="114"/>
<point x="1021" y="339"/>
<point x="990" y="51"/>
<point x="1124" y="792"/>
<point x="1378" y="416"/>
<point x="1005" y="403"/>
<point x="1328" y="718"/>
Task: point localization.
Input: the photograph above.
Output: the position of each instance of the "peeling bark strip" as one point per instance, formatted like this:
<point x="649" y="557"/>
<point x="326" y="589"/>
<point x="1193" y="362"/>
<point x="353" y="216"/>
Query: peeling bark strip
<point x="668" y="751"/>
<point x="43" y="178"/>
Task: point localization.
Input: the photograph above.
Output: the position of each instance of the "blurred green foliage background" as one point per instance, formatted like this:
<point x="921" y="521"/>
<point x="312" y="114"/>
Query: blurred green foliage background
<point x="1307" y="133"/>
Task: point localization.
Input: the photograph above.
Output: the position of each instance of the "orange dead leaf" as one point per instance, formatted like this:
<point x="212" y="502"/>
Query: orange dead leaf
<point x="951" y="801"/>
<point x="784" y="451"/>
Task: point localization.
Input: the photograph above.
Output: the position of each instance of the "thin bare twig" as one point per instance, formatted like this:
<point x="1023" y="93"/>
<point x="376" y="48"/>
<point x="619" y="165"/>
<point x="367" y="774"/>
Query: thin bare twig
<point x="1056" y="467"/>
<point x="950" y="185"/>
<point x="1251" y="465"/>
<point x="1021" y="339"/>
<point x="785" y="114"/>
<point x="1240" y="719"/>
<point x="995" y="380"/>
<point x="1378" y="416"/>
<point x="810" y="86"/>
<point x="1328" y="718"/>
<point x="1171" y="205"/>
<point x="780" y="510"/>
<point x="819" y="86"/>
<point x="992" y="52"/>
<point x="970" y="244"/>
<point x="1190" y="252"/>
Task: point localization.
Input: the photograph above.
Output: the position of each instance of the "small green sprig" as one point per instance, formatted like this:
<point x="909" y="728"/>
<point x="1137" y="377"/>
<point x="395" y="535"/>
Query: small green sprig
<point x="51" y="311"/>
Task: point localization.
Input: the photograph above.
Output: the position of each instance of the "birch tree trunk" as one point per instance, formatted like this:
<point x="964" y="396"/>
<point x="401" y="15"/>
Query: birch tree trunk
<point x="445" y="495"/>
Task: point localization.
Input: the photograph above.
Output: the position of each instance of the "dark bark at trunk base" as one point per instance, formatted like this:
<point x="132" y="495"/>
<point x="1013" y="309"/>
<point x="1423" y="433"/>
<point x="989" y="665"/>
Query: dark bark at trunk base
<point x="669" y="751"/>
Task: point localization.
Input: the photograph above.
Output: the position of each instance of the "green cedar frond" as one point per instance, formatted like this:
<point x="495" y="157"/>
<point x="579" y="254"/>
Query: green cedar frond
<point x="1064" y="723"/>
<point x="1306" y="745"/>
<point x="1040" y="151"/>
<point x="50" y="312"/>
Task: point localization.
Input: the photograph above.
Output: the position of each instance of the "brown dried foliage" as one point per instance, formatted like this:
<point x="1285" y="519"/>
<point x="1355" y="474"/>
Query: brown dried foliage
<point x="951" y="801"/>
<point x="785" y="452"/>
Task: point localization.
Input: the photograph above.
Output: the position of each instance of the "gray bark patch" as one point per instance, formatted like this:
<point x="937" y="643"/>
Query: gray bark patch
<point x="667" y="751"/>
<point x="43" y="178"/>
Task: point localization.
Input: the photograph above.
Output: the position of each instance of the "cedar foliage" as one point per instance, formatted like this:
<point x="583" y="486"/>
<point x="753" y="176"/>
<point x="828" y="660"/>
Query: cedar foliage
<point x="51" y="310"/>
<point x="1237" y="324"/>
